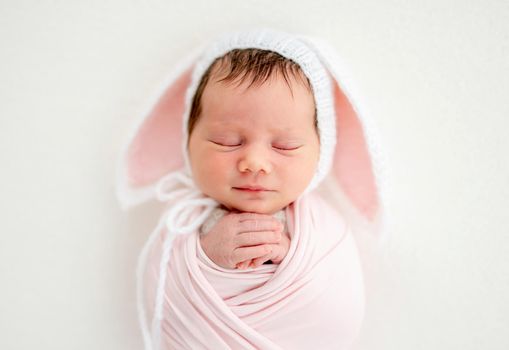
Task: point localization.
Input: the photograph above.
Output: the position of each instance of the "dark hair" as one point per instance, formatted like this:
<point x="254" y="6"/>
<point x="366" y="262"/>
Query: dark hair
<point x="243" y="64"/>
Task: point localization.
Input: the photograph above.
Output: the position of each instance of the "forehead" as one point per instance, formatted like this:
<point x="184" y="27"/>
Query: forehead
<point x="277" y="101"/>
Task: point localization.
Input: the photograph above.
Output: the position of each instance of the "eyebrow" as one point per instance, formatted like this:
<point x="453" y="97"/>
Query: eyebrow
<point x="230" y="121"/>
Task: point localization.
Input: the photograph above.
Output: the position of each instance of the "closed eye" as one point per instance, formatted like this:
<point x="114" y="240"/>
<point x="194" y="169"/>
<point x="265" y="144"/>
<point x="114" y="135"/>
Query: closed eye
<point x="226" y="144"/>
<point x="286" y="148"/>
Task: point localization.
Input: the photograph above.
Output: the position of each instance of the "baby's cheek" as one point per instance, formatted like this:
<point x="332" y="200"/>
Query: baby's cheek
<point x="218" y="163"/>
<point x="295" y="177"/>
<point x="213" y="170"/>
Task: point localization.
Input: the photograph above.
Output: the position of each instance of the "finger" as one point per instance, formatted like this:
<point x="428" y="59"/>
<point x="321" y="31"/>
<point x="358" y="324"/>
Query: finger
<point x="244" y="265"/>
<point x="253" y="216"/>
<point x="249" y="253"/>
<point x="259" y="225"/>
<point x="259" y="261"/>
<point x="276" y="254"/>
<point x="256" y="238"/>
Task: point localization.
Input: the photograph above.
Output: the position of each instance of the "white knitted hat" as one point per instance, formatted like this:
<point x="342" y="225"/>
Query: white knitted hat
<point x="289" y="47"/>
<point x="347" y="139"/>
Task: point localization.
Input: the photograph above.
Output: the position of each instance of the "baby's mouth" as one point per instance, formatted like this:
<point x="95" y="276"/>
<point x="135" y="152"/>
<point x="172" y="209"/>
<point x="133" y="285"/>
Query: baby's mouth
<point x="252" y="189"/>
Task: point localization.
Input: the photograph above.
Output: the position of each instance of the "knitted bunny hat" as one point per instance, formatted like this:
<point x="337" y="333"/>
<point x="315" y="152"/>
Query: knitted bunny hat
<point x="158" y="144"/>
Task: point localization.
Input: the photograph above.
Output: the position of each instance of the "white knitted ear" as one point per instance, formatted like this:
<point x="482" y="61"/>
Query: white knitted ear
<point x="359" y="164"/>
<point x="149" y="153"/>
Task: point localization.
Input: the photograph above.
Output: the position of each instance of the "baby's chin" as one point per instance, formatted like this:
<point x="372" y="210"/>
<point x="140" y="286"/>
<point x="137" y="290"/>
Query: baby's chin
<point x="255" y="208"/>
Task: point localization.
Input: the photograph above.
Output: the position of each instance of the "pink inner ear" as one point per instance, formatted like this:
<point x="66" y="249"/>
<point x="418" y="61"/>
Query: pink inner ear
<point x="352" y="164"/>
<point x="157" y="147"/>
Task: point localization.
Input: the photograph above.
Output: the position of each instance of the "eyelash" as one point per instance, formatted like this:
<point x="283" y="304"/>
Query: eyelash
<point x="286" y="148"/>
<point x="236" y="145"/>
<point x="224" y="145"/>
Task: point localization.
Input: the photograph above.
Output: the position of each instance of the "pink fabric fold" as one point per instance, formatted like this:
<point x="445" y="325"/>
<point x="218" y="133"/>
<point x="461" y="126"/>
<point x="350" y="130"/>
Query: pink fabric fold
<point x="313" y="299"/>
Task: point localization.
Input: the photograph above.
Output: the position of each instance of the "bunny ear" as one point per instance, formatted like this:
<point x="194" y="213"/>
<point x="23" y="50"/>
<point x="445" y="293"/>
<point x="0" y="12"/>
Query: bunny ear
<point x="358" y="161"/>
<point x="155" y="147"/>
<point x="352" y="165"/>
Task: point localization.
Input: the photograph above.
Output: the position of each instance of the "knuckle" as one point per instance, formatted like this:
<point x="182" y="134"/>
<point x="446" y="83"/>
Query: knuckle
<point x="234" y="240"/>
<point x="231" y="262"/>
<point x="233" y="217"/>
<point x="245" y="216"/>
<point x="232" y="257"/>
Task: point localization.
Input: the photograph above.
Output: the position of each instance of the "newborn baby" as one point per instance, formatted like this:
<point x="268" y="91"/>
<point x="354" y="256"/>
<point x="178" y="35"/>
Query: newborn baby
<point x="254" y="148"/>
<point x="248" y="254"/>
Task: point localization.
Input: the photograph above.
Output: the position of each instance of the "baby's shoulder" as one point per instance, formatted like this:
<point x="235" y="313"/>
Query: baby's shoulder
<point x="216" y="215"/>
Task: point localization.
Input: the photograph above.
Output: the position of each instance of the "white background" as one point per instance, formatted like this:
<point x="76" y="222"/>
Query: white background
<point x="74" y="75"/>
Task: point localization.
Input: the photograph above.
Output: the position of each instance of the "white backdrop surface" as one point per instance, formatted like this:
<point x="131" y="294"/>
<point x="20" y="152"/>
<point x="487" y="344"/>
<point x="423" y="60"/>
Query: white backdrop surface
<point x="75" y="75"/>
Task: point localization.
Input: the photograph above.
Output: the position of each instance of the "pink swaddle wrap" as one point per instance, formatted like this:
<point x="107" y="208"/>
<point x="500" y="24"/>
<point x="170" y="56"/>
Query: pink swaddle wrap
<point x="315" y="296"/>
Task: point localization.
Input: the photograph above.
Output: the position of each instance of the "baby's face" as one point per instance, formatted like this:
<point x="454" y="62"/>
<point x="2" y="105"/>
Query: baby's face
<point x="255" y="149"/>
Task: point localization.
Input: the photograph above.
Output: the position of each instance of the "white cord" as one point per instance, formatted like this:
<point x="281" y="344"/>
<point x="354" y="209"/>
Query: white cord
<point x="177" y="187"/>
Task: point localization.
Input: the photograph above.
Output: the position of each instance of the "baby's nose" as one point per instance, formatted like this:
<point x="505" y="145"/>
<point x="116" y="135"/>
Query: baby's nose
<point x="255" y="159"/>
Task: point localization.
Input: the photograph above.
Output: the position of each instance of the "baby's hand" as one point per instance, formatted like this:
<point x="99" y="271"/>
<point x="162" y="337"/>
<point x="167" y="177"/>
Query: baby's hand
<point x="241" y="237"/>
<point x="279" y="251"/>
